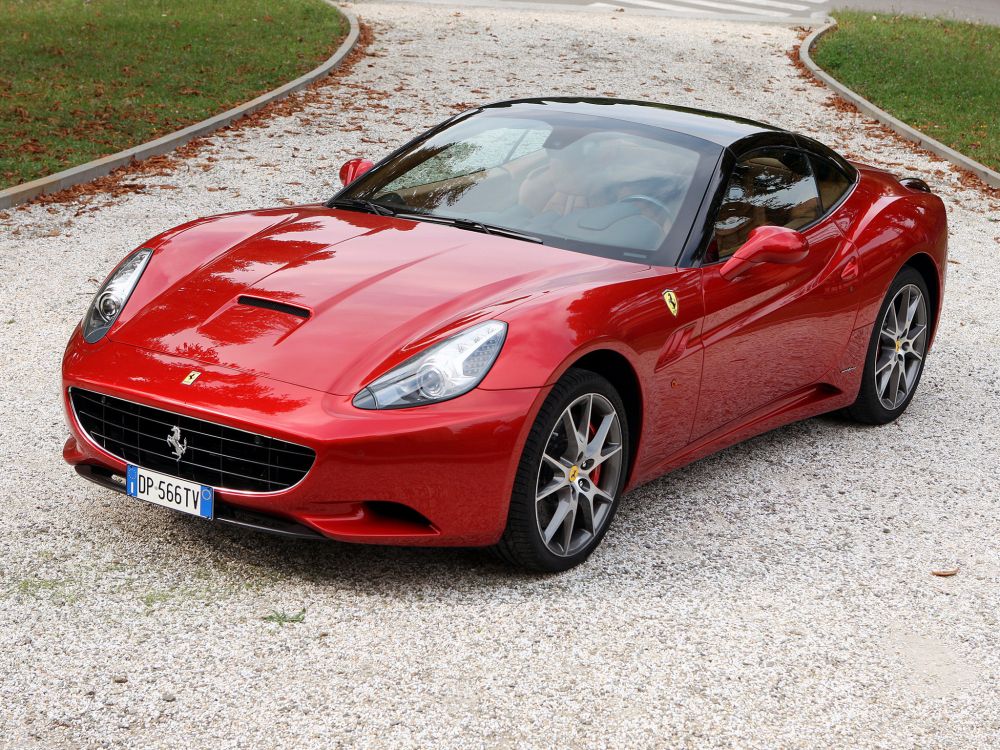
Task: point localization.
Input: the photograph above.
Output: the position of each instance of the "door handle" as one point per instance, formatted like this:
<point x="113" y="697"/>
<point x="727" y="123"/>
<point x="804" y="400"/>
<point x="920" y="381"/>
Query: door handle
<point x="676" y="346"/>
<point x="851" y="270"/>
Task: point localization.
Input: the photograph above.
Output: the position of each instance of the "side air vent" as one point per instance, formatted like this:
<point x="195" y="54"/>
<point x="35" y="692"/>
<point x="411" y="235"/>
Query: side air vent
<point x="270" y="304"/>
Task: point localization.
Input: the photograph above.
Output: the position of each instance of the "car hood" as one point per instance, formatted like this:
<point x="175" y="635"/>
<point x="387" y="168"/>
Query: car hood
<point x="331" y="299"/>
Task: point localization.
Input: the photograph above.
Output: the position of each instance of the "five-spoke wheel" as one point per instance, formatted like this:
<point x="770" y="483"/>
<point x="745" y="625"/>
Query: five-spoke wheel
<point x="579" y="473"/>
<point x="902" y="341"/>
<point x="897" y="351"/>
<point x="570" y="476"/>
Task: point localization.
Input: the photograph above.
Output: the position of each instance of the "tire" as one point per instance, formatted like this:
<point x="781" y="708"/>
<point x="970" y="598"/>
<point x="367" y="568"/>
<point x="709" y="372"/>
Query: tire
<point x="572" y="484"/>
<point x="901" y="356"/>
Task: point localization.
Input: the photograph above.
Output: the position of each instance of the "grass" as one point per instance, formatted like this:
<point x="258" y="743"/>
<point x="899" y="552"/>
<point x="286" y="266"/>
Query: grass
<point x="52" y="589"/>
<point x="152" y="598"/>
<point x="80" y="79"/>
<point x="35" y="586"/>
<point x="938" y="76"/>
<point x="281" y="617"/>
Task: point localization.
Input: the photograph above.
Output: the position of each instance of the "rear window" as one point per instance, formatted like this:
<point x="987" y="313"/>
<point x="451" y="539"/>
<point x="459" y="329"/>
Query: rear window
<point x="832" y="182"/>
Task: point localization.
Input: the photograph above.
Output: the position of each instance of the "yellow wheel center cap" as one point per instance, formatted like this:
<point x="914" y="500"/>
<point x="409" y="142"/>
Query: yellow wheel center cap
<point x="574" y="472"/>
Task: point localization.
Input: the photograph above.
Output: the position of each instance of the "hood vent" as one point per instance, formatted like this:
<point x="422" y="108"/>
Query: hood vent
<point x="270" y="304"/>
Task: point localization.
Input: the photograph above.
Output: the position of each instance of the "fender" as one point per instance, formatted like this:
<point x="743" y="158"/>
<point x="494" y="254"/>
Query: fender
<point x="900" y="224"/>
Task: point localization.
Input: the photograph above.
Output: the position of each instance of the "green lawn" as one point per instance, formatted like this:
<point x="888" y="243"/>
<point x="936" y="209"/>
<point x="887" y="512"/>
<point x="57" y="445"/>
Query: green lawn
<point x="941" y="77"/>
<point x="80" y="79"/>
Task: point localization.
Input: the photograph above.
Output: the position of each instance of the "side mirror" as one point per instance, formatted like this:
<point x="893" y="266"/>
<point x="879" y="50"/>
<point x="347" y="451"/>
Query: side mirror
<point x="353" y="169"/>
<point x="766" y="245"/>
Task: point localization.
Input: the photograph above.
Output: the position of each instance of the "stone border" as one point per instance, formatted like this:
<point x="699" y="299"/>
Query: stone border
<point x="987" y="175"/>
<point x="100" y="167"/>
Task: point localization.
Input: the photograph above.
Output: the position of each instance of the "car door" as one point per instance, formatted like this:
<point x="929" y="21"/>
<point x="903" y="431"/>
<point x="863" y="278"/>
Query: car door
<point x="776" y="328"/>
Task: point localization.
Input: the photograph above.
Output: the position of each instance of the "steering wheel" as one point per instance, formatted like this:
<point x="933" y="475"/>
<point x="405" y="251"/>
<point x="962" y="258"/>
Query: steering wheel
<point x="392" y="199"/>
<point x="655" y="202"/>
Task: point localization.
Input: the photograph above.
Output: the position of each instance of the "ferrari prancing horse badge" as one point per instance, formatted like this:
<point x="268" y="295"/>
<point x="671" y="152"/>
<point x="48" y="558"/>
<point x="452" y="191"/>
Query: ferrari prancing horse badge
<point x="671" y="299"/>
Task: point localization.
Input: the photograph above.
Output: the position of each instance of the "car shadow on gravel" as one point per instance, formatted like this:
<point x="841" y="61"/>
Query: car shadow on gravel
<point x="652" y="523"/>
<point x="328" y="561"/>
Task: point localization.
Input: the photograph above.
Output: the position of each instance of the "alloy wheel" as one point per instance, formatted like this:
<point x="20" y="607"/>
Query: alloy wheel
<point x="902" y="344"/>
<point x="579" y="474"/>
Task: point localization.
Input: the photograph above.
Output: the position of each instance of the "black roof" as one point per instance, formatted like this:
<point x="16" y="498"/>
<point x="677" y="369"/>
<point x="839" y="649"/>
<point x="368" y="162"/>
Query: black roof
<point x="716" y="127"/>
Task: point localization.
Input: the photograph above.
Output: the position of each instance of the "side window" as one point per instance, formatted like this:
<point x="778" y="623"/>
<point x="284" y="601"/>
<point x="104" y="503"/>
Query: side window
<point x="769" y="187"/>
<point x="832" y="182"/>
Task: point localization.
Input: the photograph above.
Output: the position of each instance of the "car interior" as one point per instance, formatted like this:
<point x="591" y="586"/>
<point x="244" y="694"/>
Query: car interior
<point x="774" y="188"/>
<point x="607" y="188"/>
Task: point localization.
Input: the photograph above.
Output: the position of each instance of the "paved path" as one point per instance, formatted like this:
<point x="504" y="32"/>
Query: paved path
<point x="784" y="11"/>
<point x="764" y="10"/>
<point x="771" y="10"/>
<point x="983" y="11"/>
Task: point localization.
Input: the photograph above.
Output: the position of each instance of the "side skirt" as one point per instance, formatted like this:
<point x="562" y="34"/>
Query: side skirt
<point x="809" y="402"/>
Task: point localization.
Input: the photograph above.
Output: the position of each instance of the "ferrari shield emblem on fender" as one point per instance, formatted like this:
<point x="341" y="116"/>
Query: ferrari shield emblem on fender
<point x="671" y="299"/>
<point x="193" y="376"/>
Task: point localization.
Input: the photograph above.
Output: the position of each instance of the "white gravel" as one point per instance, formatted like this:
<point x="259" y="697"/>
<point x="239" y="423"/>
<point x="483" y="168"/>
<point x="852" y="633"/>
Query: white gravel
<point x="776" y="595"/>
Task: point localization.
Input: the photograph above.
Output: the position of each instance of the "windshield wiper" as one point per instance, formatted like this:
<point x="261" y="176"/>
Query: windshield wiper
<point x="471" y="225"/>
<point x="360" y="204"/>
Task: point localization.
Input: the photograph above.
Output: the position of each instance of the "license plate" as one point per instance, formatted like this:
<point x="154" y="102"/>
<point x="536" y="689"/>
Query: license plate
<point x="170" y="492"/>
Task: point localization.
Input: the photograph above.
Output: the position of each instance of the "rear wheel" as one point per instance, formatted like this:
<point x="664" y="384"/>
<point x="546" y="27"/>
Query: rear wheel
<point x="896" y="352"/>
<point x="570" y="477"/>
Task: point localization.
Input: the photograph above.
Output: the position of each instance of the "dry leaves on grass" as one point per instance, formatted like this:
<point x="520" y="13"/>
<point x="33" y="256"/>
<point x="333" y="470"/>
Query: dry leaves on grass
<point x="114" y="185"/>
<point x="966" y="178"/>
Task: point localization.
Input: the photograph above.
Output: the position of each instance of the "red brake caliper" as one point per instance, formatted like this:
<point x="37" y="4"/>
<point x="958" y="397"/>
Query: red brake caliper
<point x="596" y="475"/>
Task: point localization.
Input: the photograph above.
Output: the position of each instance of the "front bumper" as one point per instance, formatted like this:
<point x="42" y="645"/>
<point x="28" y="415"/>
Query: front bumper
<point x="432" y="475"/>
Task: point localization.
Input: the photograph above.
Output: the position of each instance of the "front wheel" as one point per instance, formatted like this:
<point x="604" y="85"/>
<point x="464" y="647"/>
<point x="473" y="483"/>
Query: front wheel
<point x="896" y="352"/>
<point x="570" y="477"/>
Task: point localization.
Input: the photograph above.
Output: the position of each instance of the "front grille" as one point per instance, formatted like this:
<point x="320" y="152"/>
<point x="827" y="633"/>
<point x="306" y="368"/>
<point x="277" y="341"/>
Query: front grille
<point x="214" y="454"/>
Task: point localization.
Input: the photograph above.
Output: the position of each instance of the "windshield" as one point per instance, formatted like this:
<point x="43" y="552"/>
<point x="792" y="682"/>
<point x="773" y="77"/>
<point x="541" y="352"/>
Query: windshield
<point x="592" y="184"/>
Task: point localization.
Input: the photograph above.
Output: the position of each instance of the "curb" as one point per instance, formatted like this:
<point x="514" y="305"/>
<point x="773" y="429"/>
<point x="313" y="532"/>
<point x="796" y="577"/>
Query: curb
<point x="987" y="175"/>
<point x="100" y="167"/>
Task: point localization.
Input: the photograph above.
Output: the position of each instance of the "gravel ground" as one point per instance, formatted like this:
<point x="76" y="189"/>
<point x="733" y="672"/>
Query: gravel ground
<point x="776" y="595"/>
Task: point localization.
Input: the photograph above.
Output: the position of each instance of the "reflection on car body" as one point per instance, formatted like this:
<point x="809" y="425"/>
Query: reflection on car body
<point x="492" y="335"/>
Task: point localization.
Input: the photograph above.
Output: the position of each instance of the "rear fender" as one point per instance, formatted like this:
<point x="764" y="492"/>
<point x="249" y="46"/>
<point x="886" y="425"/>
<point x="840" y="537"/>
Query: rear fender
<point x="900" y="224"/>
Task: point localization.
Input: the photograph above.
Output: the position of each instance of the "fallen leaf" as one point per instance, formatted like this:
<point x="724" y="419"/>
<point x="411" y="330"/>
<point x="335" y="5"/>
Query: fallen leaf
<point x="947" y="573"/>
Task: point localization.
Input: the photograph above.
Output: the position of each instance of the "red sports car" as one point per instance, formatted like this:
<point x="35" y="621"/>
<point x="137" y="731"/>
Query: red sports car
<point x="497" y="331"/>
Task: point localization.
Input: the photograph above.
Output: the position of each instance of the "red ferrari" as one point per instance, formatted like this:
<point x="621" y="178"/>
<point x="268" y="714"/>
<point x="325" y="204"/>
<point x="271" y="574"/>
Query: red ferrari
<point x="493" y="334"/>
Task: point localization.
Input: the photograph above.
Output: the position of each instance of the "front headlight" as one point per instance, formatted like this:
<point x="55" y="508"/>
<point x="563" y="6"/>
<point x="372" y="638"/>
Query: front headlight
<point x="111" y="298"/>
<point x="440" y="372"/>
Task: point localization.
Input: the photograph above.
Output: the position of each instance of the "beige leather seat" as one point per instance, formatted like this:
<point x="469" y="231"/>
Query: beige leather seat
<point x="595" y="171"/>
<point x="569" y="181"/>
<point x="737" y="218"/>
